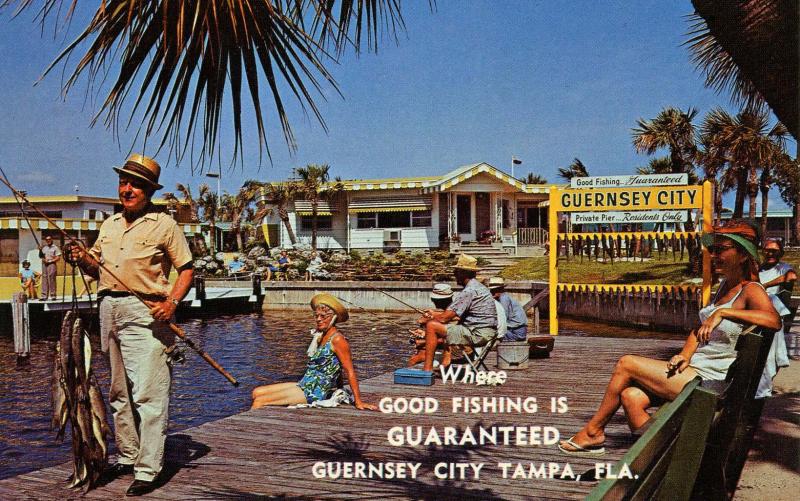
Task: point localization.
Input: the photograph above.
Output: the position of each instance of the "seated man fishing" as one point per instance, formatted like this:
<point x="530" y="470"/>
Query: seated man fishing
<point x="474" y="306"/>
<point x="441" y="297"/>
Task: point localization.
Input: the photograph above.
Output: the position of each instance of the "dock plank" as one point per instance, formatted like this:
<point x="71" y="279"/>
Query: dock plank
<point x="270" y="451"/>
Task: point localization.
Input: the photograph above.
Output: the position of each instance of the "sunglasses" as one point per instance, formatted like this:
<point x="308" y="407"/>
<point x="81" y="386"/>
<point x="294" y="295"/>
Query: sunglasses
<point x="719" y="248"/>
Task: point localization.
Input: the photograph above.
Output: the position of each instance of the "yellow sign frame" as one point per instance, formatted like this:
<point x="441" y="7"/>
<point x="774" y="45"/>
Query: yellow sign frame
<point x="622" y="199"/>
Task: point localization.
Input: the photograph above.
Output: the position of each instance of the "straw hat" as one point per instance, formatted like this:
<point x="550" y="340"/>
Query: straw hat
<point x="141" y="167"/>
<point x="496" y="283"/>
<point x="332" y="303"/>
<point x="466" y="262"/>
<point x="441" y="291"/>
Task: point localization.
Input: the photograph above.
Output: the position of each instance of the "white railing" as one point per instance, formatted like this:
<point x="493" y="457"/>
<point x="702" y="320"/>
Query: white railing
<point x="531" y="236"/>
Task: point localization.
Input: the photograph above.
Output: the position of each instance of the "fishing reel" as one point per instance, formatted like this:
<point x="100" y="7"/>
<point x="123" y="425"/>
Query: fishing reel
<point x="66" y="252"/>
<point x="175" y="355"/>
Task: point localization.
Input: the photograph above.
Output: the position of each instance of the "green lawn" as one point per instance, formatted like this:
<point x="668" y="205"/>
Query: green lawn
<point x="663" y="270"/>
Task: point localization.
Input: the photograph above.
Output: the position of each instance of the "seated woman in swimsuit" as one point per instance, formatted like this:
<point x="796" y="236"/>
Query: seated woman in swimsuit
<point x="328" y="360"/>
<point x="709" y="350"/>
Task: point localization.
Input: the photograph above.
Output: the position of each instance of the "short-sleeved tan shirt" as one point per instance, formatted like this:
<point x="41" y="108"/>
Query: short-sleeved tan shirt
<point x="141" y="255"/>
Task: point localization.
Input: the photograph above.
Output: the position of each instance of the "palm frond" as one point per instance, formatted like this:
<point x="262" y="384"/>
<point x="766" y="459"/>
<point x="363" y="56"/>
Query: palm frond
<point x="176" y="62"/>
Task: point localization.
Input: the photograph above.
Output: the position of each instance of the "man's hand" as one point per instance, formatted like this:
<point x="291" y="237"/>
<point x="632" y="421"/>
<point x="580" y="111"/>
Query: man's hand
<point x="677" y="363"/>
<point x="427" y="315"/>
<point x="162" y="310"/>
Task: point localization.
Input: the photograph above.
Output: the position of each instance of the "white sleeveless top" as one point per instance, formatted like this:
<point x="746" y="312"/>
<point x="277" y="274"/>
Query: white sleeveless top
<point x="712" y="360"/>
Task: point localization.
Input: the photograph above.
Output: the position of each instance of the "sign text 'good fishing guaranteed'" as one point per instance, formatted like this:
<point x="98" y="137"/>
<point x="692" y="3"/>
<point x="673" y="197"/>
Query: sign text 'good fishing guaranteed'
<point x="630" y="181"/>
<point x="626" y="199"/>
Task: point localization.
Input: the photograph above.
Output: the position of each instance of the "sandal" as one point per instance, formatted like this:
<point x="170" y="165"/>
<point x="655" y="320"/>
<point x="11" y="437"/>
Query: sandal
<point x="578" y="450"/>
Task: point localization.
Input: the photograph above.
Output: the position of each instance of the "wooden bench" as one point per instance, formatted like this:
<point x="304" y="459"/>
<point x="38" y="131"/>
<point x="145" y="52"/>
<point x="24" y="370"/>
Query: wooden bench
<point x="708" y="428"/>
<point x="667" y="457"/>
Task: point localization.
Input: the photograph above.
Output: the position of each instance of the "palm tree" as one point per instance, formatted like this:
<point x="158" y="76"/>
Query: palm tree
<point x="188" y="199"/>
<point x="209" y="205"/>
<point x="747" y="143"/>
<point x="672" y="129"/>
<point x="532" y="178"/>
<point x="575" y="169"/>
<point x="314" y="186"/>
<point x="180" y="60"/>
<point x="663" y="165"/>
<point x="234" y="207"/>
<point x="278" y="196"/>
<point x="787" y="179"/>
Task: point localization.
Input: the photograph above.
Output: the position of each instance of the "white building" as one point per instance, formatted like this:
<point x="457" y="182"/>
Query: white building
<point x="473" y="203"/>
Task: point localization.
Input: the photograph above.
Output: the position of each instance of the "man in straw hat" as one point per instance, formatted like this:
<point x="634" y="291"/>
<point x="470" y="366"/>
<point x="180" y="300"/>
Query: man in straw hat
<point x="474" y="306"/>
<point x="516" y="319"/>
<point x="139" y="246"/>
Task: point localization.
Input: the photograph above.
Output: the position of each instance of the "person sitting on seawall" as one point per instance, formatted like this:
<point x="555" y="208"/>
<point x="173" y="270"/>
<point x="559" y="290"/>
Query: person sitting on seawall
<point x="27" y="279"/>
<point x="516" y="319"/>
<point x="314" y="266"/>
<point x="441" y="297"/>
<point x="235" y="267"/>
<point x="330" y="356"/>
<point x="283" y="265"/>
<point x="637" y="382"/>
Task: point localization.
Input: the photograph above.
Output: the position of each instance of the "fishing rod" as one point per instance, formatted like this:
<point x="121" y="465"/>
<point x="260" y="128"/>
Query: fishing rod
<point x="74" y="241"/>
<point x="396" y="299"/>
<point x="376" y="315"/>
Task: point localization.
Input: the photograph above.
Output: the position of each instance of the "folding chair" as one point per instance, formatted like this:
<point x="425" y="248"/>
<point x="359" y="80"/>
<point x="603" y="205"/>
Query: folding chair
<point x="477" y="358"/>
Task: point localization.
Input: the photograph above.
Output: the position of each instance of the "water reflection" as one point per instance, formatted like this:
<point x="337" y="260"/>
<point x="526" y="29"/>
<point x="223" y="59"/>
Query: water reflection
<point x="257" y="349"/>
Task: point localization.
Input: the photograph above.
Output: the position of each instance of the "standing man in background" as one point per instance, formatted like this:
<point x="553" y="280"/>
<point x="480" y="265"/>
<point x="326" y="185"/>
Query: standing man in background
<point x="139" y="247"/>
<point x="50" y="254"/>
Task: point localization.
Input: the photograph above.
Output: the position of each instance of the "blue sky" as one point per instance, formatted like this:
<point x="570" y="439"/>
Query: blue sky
<point x="472" y="81"/>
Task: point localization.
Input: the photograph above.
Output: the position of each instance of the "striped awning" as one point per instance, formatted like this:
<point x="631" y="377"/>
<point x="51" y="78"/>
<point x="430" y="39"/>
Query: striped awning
<point x="303" y="208"/>
<point x="383" y="204"/>
<point x="13" y="223"/>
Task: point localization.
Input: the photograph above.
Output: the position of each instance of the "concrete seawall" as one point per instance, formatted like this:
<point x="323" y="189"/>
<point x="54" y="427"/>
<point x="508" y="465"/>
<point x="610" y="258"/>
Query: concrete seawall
<point x="668" y="312"/>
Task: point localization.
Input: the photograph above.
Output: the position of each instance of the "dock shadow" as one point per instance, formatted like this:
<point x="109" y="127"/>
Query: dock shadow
<point x="181" y="451"/>
<point x="351" y="448"/>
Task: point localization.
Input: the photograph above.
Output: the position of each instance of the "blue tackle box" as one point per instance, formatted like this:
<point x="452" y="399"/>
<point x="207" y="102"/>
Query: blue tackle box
<point x="413" y="376"/>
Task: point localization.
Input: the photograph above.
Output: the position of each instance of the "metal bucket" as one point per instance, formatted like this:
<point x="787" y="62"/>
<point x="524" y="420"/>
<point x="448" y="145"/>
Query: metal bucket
<point x="512" y="355"/>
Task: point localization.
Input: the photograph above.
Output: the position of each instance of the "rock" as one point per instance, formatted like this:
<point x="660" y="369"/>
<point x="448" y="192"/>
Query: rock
<point x="219" y="257"/>
<point x="212" y="267"/>
<point x="199" y="264"/>
<point x="208" y="259"/>
<point x="256" y="252"/>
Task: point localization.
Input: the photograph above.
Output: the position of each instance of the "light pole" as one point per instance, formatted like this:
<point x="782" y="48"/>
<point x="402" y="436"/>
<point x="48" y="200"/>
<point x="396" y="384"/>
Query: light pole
<point x="216" y="175"/>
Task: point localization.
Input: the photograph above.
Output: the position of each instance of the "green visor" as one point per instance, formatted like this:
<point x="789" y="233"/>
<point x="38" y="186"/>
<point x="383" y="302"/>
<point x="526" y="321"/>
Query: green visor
<point x="707" y="239"/>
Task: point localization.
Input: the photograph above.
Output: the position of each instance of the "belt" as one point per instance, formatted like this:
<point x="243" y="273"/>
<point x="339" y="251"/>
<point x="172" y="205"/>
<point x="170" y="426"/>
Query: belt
<point x="146" y="297"/>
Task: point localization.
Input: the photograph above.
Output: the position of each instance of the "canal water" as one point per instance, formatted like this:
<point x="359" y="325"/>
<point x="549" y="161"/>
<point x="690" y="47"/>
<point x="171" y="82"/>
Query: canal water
<point x="259" y="348"/>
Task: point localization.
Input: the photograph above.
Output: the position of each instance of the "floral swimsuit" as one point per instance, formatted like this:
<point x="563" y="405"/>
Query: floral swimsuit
<point x="322" y="375"/>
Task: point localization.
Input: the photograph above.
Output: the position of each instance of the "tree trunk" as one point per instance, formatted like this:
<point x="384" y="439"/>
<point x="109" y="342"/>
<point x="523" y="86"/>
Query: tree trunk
<point x="796" y="214"/>
<point x="314" y="204"/>
<point x="752" y="194"/>
<point x="285" y="218"/>
<point x="741" y="191"/>
<point x="213" y="238"/>
<point x="764" y="203"/>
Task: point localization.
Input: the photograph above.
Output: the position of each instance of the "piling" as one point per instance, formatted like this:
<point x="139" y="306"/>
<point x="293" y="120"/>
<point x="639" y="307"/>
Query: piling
<point x="22" y="327"/>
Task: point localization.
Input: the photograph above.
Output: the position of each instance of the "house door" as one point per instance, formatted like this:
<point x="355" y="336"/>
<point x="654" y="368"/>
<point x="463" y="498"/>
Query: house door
<point x="465" y="215"/>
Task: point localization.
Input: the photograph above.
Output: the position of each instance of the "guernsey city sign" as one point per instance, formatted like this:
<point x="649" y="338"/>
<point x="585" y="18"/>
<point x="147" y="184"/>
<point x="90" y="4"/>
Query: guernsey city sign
<point x="631" y="181"/>
<point x="627" y="199"/>
<point x="642" y="216"/>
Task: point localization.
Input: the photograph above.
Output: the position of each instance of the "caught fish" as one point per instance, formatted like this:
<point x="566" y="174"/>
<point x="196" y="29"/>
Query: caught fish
<point x="76" y="398"/>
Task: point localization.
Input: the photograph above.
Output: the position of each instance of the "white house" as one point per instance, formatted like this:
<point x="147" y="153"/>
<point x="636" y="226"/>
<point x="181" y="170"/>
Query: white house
<point x="473" y="203"/>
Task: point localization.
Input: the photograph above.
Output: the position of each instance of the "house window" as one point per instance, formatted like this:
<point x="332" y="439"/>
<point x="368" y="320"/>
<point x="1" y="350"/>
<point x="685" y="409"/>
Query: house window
<point x="394" y="219"/>
<point x="323" y="223"/>
<point x="421" y="219"/>
<point x="367" y="220"/>
<point x="399" y="219"/>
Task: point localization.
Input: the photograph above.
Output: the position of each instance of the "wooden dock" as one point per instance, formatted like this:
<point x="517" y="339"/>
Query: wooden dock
<point x="270" y="452"/>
